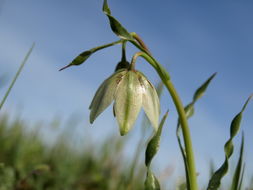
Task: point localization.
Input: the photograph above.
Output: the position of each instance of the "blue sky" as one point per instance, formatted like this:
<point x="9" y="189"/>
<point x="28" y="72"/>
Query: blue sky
<point x="191" y="39"/>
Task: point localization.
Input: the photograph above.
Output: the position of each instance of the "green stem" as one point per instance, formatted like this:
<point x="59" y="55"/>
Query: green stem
<point x="124" y="51"/>
<point x="182" y="116"/>
<point x="134" y="58"/>
<point x="107" y="45"/>
<point x="16" y="76"/>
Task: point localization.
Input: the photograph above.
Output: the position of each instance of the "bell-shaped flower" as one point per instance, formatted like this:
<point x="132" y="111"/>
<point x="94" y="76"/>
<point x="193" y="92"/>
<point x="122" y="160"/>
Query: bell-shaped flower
<point x="130" y="90"/>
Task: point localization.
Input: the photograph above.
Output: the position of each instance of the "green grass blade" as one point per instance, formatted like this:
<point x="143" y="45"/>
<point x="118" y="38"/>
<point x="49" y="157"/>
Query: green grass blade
<point x="16" y="76"/>
<point x="237" y="178"/>
<point x="215" y="180"/>
<point x="151" y="183"/>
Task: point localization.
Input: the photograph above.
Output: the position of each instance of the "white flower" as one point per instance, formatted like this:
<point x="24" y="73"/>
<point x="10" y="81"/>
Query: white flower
<point x="130" y="90"/>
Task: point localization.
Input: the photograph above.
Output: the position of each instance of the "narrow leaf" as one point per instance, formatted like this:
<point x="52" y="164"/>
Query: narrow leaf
<point x="81" y="58"/>
<point x="154" y="143"/>
<point x="116" y="27"/>
<point x="237" y="177"/>
<point x="16" y="76"/>
<point x="242" y="177"/>
<point x="151" y="182"/>
<point x="201" y="90"/>
<point x="106" y="8"/>
<point x="215" y="180"/>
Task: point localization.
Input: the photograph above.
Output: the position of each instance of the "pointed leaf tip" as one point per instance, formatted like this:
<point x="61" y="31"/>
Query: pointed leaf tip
<point x="201" y="90"/>
<point x="154" y="143"/>
<point x="65" y="67"/>
<point x="246" y="103"/>
<point x="116" y="26"/>
<point x="106" y="8"/>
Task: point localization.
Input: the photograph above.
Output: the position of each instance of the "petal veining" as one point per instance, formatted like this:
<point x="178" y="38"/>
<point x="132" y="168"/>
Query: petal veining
<point x="150" y="101"/>
<point x="105" y="95"/>
<point x="128" y="101"/>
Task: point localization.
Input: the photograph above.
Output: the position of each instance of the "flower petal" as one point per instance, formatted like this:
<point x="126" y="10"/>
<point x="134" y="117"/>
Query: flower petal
<point x="105" y="95"/>
<point x="150" y="101"/>
<point x="128" y="101"/>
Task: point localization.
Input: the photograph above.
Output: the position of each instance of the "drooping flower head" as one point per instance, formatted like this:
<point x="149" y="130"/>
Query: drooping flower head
<point x="130" y="90"/>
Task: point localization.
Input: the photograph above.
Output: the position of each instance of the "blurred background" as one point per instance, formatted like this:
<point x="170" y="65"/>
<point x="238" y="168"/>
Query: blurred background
<point x="190" y="39"/>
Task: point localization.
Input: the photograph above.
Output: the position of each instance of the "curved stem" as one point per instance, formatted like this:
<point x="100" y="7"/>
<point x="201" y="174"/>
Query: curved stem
<point x="133" y="61"/>
<point x="182" y="116"/>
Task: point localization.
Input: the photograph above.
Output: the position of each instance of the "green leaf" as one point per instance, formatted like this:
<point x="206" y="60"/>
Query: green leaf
<point x="105" y="94"/>
<point x="128" y="101"/>
<point x="16" y="76"/>
<point x="81" y="58"/>
<point x="201" y="90"/>
<point x="189" y="110"/>
<point x="106" y="8"/>
<point x="116" y="27"/>
<point x="238" y="174"/>
<point x="215" y="180"/>
<point x="154" y="143"/>
<point x="151" y="182"/>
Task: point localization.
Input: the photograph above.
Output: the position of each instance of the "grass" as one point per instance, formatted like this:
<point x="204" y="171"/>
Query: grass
<point x="27" y="163"/>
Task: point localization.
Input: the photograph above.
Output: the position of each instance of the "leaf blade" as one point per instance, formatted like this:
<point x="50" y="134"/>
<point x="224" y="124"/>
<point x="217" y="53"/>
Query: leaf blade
<point x="116" y="26"/>
<point x="82" y="57"/>
<point x="238" y="174"/>
<point x="215" y="180"/>
<point x="151" y="182"/>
